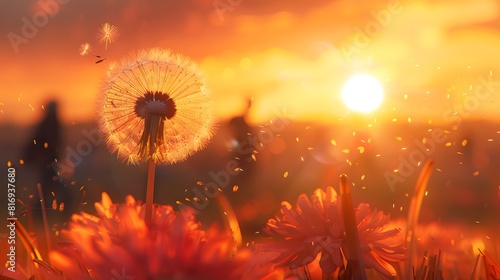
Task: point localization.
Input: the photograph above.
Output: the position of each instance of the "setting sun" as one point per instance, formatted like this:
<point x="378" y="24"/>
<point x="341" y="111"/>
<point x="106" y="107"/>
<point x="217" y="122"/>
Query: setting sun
<point x="362" y="93"/>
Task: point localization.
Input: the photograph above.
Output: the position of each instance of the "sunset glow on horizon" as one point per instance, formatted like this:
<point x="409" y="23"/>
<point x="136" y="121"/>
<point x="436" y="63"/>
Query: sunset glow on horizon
<point x="293" y="63"/>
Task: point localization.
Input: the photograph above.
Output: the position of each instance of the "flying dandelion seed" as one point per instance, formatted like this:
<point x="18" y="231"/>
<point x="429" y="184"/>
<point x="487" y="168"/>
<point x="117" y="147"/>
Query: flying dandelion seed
<point x="84" y="49"/>
<point x="157" y="107"/>
<point x="107" y="34"/>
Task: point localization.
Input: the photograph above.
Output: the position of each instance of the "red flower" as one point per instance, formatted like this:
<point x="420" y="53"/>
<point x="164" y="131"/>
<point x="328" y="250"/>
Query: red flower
<point x="316" y="227"/>
<point x="118" y="243"/>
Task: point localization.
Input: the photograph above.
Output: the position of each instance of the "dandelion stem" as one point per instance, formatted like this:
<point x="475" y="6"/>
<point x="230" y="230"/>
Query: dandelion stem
<point x="473" y="275"/>
<point x="491" y="268"/>
<point x="44" y="216"/>
<point x="150" y="189"/>
<point x="27" y="241"/>
<point x="414" y="212"/>
<point x="355" y="268"/>
<point x="231" y="222"/>
<point x="31" y="249"/>
<point x="29" y="214"/>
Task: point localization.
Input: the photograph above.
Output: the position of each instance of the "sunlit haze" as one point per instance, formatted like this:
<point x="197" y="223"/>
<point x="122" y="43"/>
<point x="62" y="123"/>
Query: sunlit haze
<point x="292" y="57"/>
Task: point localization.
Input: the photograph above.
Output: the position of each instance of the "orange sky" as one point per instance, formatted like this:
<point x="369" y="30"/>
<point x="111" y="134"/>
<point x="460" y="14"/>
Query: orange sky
<point x="429" y="55"/>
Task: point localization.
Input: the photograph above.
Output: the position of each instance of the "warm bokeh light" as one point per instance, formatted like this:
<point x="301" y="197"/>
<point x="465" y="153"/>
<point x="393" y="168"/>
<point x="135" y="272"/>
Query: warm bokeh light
<point x="278" y="53"/>
<point x="362" y="93"/>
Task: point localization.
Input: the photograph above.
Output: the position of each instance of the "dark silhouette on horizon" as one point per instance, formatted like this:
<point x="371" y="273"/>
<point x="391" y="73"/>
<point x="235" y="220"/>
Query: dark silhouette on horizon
<point x="239" y="133"/>
<point x="40" y="155"/>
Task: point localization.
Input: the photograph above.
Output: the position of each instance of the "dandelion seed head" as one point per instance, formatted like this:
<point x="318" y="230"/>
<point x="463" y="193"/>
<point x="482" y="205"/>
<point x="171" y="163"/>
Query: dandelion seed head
<point x="156" y="106"/>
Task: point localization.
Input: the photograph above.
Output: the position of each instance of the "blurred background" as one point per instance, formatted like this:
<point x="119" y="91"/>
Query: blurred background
<point x="276" y="72"/>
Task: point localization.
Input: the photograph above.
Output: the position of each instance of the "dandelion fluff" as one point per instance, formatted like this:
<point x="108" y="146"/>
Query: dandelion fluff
<point x="107" y="34"/>
<point x="156" y="106"/>
<point x="84" y="49"/>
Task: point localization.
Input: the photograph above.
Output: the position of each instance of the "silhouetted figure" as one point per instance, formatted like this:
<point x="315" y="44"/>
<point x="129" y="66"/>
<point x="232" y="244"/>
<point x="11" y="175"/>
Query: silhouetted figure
<point x="41" y="154"/>
<point x="243" y="144"/>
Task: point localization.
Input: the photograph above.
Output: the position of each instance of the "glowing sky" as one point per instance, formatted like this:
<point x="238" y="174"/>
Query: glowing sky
<point x="292" y="56"/>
